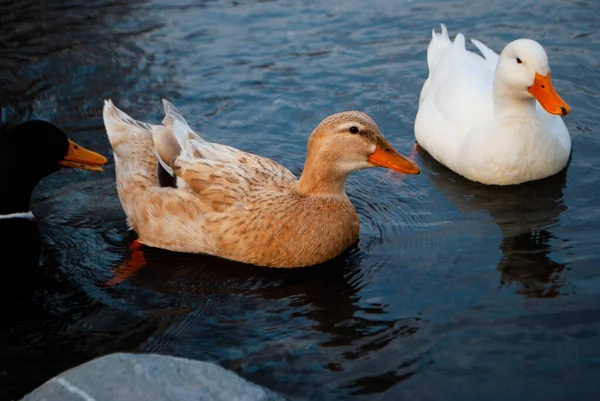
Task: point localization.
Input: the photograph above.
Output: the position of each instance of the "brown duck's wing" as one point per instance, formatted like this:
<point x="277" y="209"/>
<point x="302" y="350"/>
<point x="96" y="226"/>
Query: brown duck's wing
<point x="220" y="185"/>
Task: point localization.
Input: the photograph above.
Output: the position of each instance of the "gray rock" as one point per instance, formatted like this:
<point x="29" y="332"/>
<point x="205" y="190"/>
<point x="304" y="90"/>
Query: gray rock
<point x="145" y="377"/>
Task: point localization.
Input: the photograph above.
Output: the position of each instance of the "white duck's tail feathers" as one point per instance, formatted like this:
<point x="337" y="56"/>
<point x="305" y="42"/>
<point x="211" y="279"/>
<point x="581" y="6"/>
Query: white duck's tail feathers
<point x="459" y="41"/>
<point x="439" y="42"/>
<point x="443" y="35"/>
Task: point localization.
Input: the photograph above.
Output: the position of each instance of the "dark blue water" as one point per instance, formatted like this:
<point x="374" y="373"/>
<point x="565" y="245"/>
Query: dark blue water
<point x="454" y="291"/>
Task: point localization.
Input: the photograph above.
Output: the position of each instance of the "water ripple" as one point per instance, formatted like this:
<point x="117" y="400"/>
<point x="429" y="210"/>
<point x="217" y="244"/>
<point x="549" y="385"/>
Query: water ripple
<point x="453" y="283"/>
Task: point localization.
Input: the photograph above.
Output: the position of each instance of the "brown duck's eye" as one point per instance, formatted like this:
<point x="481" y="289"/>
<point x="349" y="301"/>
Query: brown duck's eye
<point x="354" y="130"/>
<point x="519" y="61"/>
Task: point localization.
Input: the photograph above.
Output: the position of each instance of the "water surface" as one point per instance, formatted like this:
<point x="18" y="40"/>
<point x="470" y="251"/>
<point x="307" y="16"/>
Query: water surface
<point x="454" y="291"/>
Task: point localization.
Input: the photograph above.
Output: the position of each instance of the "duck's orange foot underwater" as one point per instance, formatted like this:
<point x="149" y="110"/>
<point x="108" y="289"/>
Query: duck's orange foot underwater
<point x="130" y="266"/>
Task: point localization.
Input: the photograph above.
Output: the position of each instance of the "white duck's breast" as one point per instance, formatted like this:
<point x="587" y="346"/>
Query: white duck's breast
<point x="511" y="152"/>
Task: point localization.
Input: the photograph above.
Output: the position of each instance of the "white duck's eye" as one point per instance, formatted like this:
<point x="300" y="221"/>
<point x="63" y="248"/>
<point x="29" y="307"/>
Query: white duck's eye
<point x="353" y="130"/>
<point x="519" y="61"/>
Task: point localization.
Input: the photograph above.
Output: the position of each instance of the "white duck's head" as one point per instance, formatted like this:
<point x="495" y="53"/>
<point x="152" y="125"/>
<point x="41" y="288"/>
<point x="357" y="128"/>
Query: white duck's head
<point x="523" y="72"/>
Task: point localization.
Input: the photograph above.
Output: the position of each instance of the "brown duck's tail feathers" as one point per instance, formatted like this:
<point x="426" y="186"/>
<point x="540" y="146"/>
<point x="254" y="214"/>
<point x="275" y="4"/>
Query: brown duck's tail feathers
<point x="124" y="132"/>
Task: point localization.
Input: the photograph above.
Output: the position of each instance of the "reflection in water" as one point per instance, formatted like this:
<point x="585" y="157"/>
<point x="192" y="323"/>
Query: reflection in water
<point x="526" y="260"/>
<point x="191" y="279"/>
<point x="524" y="213"/>
<point x="201" y="293"/>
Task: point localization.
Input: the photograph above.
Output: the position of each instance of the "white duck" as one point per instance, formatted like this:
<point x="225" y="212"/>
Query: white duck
<point x="479" y="115"/>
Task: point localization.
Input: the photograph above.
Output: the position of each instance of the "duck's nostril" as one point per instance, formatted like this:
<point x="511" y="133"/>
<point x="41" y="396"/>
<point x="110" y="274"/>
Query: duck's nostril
<point x="564" y="110"/>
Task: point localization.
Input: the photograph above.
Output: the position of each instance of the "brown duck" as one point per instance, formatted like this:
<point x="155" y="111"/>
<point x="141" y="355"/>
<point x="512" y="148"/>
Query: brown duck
<point x="185" y="194"/>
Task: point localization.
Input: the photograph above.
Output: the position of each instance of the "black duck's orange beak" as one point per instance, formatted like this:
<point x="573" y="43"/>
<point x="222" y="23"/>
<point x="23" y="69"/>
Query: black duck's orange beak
<point x="82" y="158"/>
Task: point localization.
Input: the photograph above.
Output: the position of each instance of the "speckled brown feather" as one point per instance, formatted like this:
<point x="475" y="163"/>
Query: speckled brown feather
<point x="234" y="204"/>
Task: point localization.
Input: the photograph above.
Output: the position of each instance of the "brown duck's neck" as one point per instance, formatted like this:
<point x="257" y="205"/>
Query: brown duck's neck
<point x="322" y="178"/>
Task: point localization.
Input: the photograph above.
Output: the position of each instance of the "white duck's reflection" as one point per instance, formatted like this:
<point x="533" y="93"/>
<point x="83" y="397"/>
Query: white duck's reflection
<point x="524" y="213"/>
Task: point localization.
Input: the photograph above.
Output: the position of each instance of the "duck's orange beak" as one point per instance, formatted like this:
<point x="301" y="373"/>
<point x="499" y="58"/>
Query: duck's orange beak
<point x="80" y="157"/>
<point x="386" y="156"/>
<point x="544" y="92"/>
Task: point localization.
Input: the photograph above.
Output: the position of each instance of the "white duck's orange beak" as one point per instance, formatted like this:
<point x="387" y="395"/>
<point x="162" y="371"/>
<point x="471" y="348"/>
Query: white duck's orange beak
<point x="544" y="92"/>
<point x="386" y="156"/>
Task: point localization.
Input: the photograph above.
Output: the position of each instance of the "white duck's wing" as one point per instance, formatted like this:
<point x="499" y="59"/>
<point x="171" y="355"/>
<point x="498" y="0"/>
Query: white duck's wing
<point x="457" y="97"/>
<point x="461" y="86"/>
<point x="490" y="56"/>
<point x="221" y="176"/>
<point x="440" y="42"/>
